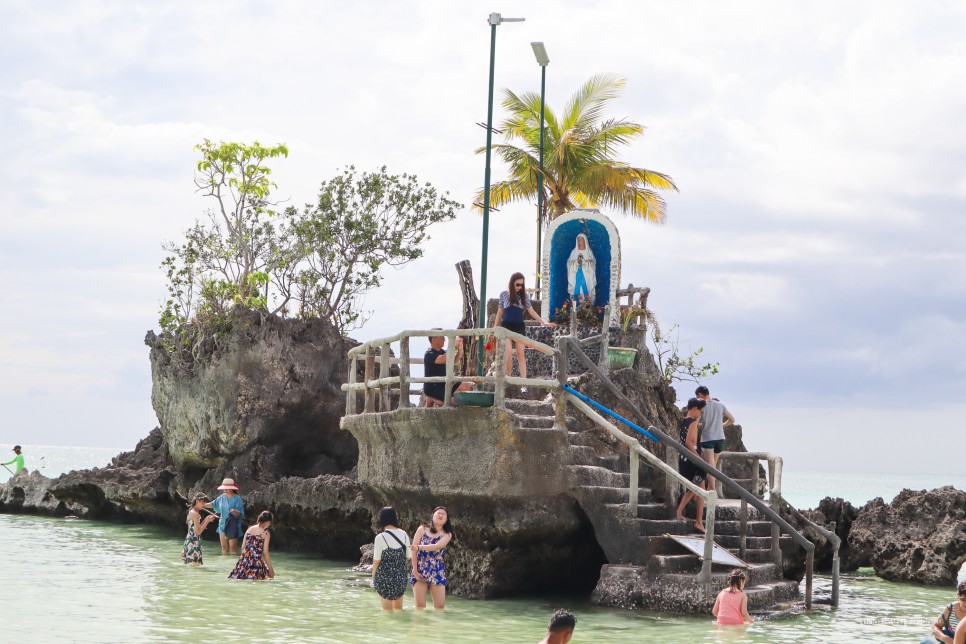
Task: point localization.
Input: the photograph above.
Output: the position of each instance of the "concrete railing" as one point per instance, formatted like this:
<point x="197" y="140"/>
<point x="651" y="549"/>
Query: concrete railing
<point x="637" y="452"/>
<point x="776" y="502"/>
<point x="379" y="386"/>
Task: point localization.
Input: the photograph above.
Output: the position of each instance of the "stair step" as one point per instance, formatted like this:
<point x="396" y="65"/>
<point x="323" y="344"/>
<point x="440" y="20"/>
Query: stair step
<point x="603" y="494"/>
<point x="733" y="542"/>
<point x="578" y="438"/>
<point x="644" y="510"/>
<point x="730" y="510"/>
<point x="753" y="529"/>
<point x="656" y="527"/>
<point x="584" y="455"/>
<point x="673" y="564"/>
<point x="592" y="475"/>
<point x="529" y="407"/>
<point x="766" y="595"/>
<point x="541" y="422"/>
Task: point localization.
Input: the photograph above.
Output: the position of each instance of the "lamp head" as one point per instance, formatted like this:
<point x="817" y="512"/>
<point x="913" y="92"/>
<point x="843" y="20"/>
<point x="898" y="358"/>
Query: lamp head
<point x="496" y="19"/>
<point x="541" y="53"/>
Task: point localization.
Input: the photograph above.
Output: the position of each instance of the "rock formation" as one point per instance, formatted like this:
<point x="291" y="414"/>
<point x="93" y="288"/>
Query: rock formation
<point x="270" y="381"/>
<point x="919" y="537"/>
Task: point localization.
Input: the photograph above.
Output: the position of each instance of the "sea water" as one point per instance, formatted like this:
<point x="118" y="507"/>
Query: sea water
<point x="87" y="581"/>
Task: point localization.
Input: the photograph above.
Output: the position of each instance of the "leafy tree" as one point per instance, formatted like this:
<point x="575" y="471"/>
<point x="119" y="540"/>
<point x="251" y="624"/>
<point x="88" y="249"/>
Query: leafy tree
<point x="580" y="168"/>
<point x="673" y="364"/>
<point x="360" y="223"/>
<point x="225" y="260"/>
<point x="319" y="261"/>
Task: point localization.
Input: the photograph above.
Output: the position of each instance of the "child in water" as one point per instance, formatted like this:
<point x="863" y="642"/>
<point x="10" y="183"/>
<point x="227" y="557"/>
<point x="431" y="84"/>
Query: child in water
<point x="191" y="550"/>
<point x="731" y="605"/>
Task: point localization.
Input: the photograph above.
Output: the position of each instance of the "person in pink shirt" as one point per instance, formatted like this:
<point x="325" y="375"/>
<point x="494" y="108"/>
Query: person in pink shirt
<point x="731" y="605"/>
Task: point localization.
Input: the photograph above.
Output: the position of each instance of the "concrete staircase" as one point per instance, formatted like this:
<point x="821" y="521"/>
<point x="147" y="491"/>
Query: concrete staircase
<point x="648" y="569"/>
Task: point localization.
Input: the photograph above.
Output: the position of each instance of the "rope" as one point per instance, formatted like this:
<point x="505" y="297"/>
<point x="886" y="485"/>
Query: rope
<point x="596" y="405"/>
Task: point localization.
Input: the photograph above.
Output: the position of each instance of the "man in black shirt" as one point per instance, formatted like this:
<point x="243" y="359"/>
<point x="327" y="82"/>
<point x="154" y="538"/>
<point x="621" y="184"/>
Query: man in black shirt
<point x="434" y="365"/>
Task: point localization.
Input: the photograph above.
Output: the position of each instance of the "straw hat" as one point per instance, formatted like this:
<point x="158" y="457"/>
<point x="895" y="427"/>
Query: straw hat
<point x="228" y="484"/>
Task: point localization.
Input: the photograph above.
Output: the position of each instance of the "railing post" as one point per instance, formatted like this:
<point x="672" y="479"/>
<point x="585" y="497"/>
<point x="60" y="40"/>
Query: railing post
<point x="632" y="493"/>
<point x="573" y="320"/>
<point x="743" y="529"/>
<point x="350" y="398"/>
<point x="809" y="564"/>
<point x="384" y="368"/>
<point x="404" y="372"/>
<point x="370" y="404"/>
<point x="604" y="337"/>
<point x="563" y="368"/>
<point x="755" y="477"/>
<point x="450" y="361"/>
<point x="835" y="578"/>
<point x="499" y="361"/>
<point x="710" y="508"/>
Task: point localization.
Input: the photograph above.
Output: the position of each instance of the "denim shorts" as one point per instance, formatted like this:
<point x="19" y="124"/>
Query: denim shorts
<point x="717" y="445"/>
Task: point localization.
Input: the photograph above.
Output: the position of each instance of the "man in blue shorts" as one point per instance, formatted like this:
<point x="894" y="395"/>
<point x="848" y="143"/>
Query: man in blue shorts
<point x="713" y="421"/>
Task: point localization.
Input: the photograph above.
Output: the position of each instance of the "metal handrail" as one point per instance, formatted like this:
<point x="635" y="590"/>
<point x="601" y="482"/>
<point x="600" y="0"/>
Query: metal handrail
<point x="381" y="383"/>
<point x="772" y="515"/>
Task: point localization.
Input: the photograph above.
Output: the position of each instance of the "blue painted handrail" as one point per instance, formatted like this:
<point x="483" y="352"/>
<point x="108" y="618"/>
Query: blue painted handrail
<point x="596" y="405"/>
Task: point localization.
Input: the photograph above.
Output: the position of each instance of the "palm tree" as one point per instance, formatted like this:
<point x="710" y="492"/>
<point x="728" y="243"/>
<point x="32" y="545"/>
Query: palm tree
<point x="579" y="165"/>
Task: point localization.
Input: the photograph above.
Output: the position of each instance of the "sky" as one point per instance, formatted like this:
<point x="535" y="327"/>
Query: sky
<point x="815" y="249"/>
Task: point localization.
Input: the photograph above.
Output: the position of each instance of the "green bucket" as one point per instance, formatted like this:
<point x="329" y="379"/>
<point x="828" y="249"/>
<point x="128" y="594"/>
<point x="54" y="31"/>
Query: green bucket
<point x="621" y="357"/>
<point x="474" y="399"/>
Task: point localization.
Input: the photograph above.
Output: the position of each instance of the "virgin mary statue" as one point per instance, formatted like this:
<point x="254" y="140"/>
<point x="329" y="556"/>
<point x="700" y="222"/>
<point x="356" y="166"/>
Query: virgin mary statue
<point x="582" y="271"/>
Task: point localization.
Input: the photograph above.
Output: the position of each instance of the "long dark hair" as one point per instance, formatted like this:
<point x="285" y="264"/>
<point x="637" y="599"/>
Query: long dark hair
<point x="734" y="580"/>
<point x="513" y="294"/>
<point x="447" y="526"/>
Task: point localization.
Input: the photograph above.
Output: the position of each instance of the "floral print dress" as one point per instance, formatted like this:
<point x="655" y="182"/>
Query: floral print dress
<point x="250" y="564"/>
<point x="191" y="551"/>
<point x="430" y="563"/>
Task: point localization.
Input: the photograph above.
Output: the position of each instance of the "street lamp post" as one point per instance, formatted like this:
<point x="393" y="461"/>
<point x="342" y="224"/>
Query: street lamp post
<point x="494" y="20"/>
<point x="543" y="60"/>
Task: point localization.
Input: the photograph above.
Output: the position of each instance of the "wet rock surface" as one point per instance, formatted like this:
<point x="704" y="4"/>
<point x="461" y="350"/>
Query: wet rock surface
<point x="919" y="537"/>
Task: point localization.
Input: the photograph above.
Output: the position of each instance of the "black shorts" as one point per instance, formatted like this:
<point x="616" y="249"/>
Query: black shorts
<point x="717" y="445"/>
<point x="516" y="327"/>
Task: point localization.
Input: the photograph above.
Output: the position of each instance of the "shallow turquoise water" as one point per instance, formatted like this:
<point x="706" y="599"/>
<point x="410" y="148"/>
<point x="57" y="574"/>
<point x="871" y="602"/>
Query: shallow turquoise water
<point x="81" y="581"/>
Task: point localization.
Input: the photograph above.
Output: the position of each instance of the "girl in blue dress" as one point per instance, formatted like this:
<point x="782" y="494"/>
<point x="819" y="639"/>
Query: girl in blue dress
<point x="429" y="569"/>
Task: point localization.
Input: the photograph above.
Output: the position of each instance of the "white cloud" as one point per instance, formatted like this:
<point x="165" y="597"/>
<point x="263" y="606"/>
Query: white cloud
<point x="818" y="149"/>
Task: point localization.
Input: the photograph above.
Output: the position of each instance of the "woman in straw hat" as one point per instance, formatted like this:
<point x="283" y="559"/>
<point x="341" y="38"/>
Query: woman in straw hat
<point x="231" y="513"/>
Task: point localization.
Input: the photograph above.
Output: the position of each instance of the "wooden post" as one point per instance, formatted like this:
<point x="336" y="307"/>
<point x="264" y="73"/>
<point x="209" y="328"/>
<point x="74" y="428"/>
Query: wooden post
<point x="370" y="404"/>
<point x="384" y="373"/>
<point x="404" y="372"/>
<point x="350" y="397"/>
<point x="499" y="362"/>
<point x="573" y="320"/>
<point x="632" y="495"/>
<point x="471" y="304"/>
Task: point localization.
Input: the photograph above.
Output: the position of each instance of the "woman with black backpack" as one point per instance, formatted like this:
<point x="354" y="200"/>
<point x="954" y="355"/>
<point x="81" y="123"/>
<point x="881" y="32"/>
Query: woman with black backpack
<point x="391" y="555"/>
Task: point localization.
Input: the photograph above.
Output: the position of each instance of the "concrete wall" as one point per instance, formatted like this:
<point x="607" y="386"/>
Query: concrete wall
<point x="466" y="451"/>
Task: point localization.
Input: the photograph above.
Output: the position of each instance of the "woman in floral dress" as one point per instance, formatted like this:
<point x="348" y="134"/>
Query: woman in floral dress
<point x="429" y="569"/>
<point x="255" y="561"/>
<point x="191" y="551"/>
